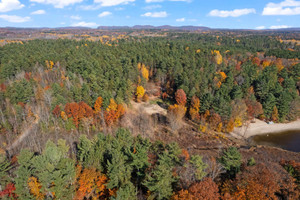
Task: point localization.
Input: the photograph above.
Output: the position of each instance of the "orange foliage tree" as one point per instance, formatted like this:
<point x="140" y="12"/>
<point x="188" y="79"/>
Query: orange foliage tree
<point x="180" y="97"/>
<point x="279" y="64"/>
<point x="195" y="107"/>
<point x="91" y="184"/>
<point x="85" y="111"/>
<point x="183" y="195"/>
<point x="98" y="104"/>
<point x="274" y="116"/>
<point x="256" y="61"/>
<point x="71" y="110"/>
<point x="113" y="112"/>
<point x="256" y="182"/>
<point x="78" y="111"/>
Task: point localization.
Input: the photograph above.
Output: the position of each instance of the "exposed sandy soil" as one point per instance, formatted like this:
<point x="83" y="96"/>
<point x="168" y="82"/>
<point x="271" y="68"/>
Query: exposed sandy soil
<point x="149" y="108"/>
<point x="260" y="127"/>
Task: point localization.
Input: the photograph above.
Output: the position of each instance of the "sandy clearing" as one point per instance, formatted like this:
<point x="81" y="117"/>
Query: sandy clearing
<point x="260" y="127"/>
<point x="149" y="108"/>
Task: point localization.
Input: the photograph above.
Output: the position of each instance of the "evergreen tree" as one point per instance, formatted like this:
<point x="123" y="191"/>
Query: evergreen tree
<point x="231" y="160"/>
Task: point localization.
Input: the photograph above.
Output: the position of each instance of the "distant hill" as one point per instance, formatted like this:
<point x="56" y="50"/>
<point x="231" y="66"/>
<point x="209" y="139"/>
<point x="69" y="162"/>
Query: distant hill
<point x="165" y="27"/>
<point x="146" y="27"/>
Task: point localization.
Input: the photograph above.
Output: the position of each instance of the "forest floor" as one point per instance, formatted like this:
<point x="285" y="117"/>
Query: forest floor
<point x="25" y="133"/>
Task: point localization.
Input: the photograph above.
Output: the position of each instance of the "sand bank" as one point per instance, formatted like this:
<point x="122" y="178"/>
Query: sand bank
<point x="260" y="127"/>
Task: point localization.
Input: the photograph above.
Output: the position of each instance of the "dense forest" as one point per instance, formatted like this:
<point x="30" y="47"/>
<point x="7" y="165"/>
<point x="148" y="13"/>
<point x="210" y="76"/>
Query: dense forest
<point x="68" y="129"/>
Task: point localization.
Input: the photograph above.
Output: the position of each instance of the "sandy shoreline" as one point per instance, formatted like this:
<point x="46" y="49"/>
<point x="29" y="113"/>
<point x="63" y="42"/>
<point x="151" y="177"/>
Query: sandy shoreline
<point x="261" y="128"/>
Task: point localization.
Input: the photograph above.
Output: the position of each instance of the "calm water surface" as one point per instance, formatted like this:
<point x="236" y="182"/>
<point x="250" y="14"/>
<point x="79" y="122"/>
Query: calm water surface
<point x="286" y="140"/>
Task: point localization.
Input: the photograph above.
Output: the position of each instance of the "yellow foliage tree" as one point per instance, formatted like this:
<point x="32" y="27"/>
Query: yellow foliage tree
<point x="195" y="107"/>
<point x="63" y="115"/>
<point x="219" y="128"/>
<point x="223" y="76"/>
<point x="98" y="104"/>
<point x="139" y="66"/>
<point x="266" y="63"/>
<point x="238" y="122"/>
<point x="112" y="105"/>
<point x="34" y="187"/>
<point x="145" y="72"/>
<point x="203" y="128"/>
<point x="218" y="57"/>
<point x="140" y="91"/>
<point x="279" y="64"/>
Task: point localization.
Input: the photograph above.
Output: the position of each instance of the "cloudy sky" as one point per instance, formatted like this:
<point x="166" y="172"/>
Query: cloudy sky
<point x="253" y="14"/>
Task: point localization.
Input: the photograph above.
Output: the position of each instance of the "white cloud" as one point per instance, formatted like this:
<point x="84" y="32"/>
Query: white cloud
<point x="287" y="7"/>
<point x="151" y="7"/>
<point x="90" y="7"/>
<point x="260" y="27"/>
<point x="85" y="24"/>
<point x="155" y="14"/>
<point x="58" y="3"/>
<point x="279" y="26"/>
<point x="75" y="17"/>
<point x="14" y="18"/>
<point x="38" y="12"/>
<point x="231" y="13"/>
<point x="104" y="14"/>
<point x="112" y="2"/>
<point x="180" y="20"/>
<point x="8" y="5"/>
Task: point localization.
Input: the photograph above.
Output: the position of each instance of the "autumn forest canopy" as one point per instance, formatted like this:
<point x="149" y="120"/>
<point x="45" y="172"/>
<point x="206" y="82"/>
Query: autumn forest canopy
<point x="72" y="124"/>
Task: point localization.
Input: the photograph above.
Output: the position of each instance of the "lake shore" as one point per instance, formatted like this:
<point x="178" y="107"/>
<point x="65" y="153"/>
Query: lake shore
<point x="260" y="127"/>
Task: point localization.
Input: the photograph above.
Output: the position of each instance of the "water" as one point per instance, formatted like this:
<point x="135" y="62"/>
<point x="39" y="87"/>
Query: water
<point x="289" y="140"/>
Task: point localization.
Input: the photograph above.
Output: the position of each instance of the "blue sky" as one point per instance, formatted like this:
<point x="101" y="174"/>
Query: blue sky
<point x="236" y="14"/>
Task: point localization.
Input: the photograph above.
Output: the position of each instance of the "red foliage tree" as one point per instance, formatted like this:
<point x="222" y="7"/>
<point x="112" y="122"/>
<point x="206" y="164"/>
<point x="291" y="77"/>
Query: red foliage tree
<point x="260" y="182"/>
<point x="256" y="61"/>
<point x="164" y="95"/>
<point x="180" y="97"/>
<point x="238" y="66"/>
<point x="8" y="191"/>
<point x="27" y="76"/>
<point x="2" y="87"/>
<point x="56" y="111"/>
<point x="254" y="108"/>
<point x="205" y="190"/>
